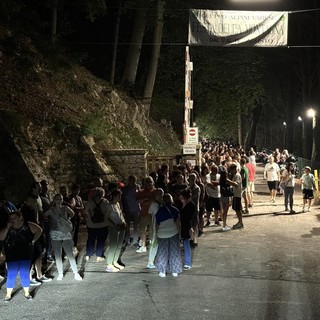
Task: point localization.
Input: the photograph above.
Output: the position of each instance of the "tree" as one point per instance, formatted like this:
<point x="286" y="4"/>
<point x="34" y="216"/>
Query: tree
<point x="152" y="72"/>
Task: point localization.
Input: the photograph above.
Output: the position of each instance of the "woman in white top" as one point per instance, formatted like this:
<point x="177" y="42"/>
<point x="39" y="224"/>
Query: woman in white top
<point x="117" y="227"/>
<point x="60" y="234"/>
<point x="288" y="181"/>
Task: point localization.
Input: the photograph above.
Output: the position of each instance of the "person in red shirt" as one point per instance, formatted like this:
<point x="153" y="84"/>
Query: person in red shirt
<point x="145" y="197"/>
<point x="251" y="176"/>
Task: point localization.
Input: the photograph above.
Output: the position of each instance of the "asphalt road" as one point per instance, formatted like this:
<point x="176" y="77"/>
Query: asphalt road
<point x="268" y="270"/>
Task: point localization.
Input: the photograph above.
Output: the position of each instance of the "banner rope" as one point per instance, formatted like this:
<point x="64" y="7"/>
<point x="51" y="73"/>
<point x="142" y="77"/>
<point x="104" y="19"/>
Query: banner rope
<point x="307" y="10"/>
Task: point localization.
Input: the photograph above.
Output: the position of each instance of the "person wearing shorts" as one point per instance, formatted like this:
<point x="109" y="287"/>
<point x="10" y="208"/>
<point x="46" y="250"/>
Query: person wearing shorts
<point x="272" y="174"/>
<point x="308" y="185"/>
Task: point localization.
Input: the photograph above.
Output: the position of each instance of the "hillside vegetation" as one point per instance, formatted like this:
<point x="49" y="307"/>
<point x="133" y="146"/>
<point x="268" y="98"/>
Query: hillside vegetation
<point x="49" y="104"/>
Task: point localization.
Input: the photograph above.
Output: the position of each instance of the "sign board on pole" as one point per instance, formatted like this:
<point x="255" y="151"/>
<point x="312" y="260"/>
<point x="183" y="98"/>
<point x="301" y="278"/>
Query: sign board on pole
<point x="192" y="135"/>
<point x="189" y="149"/>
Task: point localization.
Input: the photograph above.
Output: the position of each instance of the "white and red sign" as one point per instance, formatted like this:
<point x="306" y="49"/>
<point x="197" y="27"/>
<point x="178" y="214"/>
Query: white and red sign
<point x="192" y="135"/>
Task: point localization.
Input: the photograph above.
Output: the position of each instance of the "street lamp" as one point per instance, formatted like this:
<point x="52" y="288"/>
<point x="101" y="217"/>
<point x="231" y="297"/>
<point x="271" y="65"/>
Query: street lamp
<point x="284" y="134"/>
<point x="303" y="147"/>
<point x="312" y="114"/>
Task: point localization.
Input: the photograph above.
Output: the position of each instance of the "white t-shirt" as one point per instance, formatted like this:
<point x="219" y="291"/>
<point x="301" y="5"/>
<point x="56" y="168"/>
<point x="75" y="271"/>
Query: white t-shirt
<point x="154" y="207"/>
<point x="272" y="170"/>
<point x="213" y="191"/>
<point x="237" y="190"/>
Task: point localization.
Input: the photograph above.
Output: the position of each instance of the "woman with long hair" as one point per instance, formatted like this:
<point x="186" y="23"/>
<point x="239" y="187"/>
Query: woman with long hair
<point x="288" y="180"/>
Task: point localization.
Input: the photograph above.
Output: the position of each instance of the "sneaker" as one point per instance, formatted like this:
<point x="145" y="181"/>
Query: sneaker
<point x="118" y="266"/>
<point x="28" y="296"/>
<point x="162" y="274"/>
<point x="220" y="219"/>
<point x="309" y="209"/>
<point x="226" y="228"/>
<point x="292" y="211"/>
<point x="45" y="279"/>
<point x="303" y="209"/>
<point x="217" y="224"/>
<point x="207" y="224"/>
<point x="60" y="276"/>
<point x="77" y="277"/>
<point x="186" y="267"/>
<point x="151" y="265"/>
<point x="200" y="234"/>
<point x="111" y="268"/>
<point x="99" y="259"/>
<point x="174" y="274"/>
<point x="7" y="299"/>
<point x="250" y="205"/>
<point x="238" y="226"/>
<point x="135" y="245"/>
<point x="246" y="211"/>
<point x="120" y="263"/>
<point x="87" y="258"/>
<point x="35" y="283"/>
<point x="142" y="249"/>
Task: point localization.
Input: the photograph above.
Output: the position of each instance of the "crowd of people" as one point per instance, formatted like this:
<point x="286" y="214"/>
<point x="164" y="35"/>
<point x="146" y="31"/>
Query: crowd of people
<point x="169" y="210"/>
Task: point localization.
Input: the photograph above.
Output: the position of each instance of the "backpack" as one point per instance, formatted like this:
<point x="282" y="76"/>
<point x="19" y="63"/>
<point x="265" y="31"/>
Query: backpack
<point x="98" y="215"/>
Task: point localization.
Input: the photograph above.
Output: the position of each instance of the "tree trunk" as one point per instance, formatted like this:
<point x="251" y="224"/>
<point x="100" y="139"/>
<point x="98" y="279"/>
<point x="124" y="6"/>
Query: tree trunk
<point x="115" y="44"/>
<point x="256" y="111"/>
<point x="133" y="57"/>
<point x="152" y="72"/>
<point x="239" y="128"/>
<point x="54" y="17"/>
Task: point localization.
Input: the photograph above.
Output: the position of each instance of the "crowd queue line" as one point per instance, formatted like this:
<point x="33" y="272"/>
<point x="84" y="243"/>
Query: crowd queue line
<point x="167" y="210"/>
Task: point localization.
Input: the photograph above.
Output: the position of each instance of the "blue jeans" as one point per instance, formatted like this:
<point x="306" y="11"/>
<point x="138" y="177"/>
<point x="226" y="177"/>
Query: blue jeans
<point x="98" y="235"/>
<point x="288" y="197"/>
<point x="187" y="252"/>
<point x="23" y="268"/>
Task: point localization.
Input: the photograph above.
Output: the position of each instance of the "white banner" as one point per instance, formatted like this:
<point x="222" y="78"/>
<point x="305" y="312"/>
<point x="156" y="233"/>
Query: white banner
<point x="238" y="28"/>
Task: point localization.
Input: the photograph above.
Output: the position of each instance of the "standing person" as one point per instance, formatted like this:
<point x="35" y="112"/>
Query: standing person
<point x="168" y="255"/>
<point x="195" y="198"/>
<point x="162" y="180"/>
<point x="308" y="185"/>
<point x="46" y="201"/>
<point x="272" y="174"/>
<point x="131" y="210"/>
<point x="32" y="211"/>
<point x="251" y="177"/>
<point x="116" y="229"/>
<point x="226" y="193"/>
<point x="60" y="234"/>
<point x="236" y="201"/>
<point x="19" y="237"/>
<point x="186" y="214"/>
<point x="95" y="212"/>
<point x="145" y="196"/>
<point x="213" y="194"/>
<point x="76" y="204"/>
<point x="244" y="172"/>
<point x="288" y="178"/>
<point x="153" y="209"/>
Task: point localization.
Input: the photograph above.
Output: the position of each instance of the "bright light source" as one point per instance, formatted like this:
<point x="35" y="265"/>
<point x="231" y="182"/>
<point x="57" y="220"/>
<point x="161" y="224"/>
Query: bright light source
<point x="253" y="1"/>
<point x="299" y="118"/>
<point x="284" y="123"/>
<point x="311" y="113"/>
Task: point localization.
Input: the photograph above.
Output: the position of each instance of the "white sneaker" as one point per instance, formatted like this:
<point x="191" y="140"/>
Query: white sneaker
<point x="174" y="274"/>
<point x="142" y="249"/>
<point x="60" y="276"/>
<point x="162" y="274"/>
<point x="226" y="228"/>
<point x="151" y="265"/>
<point x="77" y="277"/>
